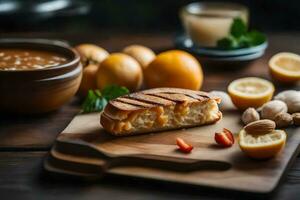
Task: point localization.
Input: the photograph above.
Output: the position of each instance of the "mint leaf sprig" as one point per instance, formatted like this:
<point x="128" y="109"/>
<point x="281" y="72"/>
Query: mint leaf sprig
<point x="113" y="91"/>
<point x="240" y="37"/>
<point x="96" y="100"/>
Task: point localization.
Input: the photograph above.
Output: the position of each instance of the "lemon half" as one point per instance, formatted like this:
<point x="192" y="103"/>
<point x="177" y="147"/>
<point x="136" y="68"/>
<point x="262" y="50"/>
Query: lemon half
<point x="250" y="92"/>
<point x="285" y="67"/>
<point x="262" y="146"/>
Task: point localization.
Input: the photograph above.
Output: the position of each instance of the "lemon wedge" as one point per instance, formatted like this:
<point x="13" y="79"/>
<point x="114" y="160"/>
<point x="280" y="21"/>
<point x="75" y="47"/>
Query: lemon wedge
<point x="262" y="146"/>
<point x="250" y="92"/>
<point x="285" y="67"/>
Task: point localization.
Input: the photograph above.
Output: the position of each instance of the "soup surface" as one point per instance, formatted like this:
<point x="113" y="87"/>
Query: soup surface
<point x="29" y="59"/>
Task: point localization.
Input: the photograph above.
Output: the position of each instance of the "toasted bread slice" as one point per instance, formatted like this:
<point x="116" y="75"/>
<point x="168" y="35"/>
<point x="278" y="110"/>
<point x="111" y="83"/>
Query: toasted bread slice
<point x="159" y="109"/>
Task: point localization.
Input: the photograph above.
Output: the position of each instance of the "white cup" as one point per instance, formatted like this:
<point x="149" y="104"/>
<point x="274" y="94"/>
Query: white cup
<point x="207" y="22"/>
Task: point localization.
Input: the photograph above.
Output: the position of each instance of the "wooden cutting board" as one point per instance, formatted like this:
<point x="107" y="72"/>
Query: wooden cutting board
<point x="85" y="149"/>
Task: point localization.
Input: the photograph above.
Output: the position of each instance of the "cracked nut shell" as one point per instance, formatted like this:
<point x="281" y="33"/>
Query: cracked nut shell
<point x="272" y="108"/>
<point x="283" y="120"/>
<point x="296" y="118"/>
<point x="250" y="115"/>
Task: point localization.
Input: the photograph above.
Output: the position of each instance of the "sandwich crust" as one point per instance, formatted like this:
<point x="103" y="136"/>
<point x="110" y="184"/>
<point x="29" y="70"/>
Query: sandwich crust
<point x="159" y="109"/>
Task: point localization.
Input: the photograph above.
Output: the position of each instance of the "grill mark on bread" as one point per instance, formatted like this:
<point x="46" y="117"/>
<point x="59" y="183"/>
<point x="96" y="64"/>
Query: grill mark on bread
<point x="158" y="97"/>
<point x="175" y="97"/>
<point x="176" y="91"/>
<point x="106" y="116"/>
<point x="123" y="106"/>
<point x="204" y="96"/>
<point x="188" y="97"/>
<point x="154" y="100"/>
<point x="134" y="102"/>
<point x="130" y="114"/>
<point x="154" y="97"/>
<point x="199" y="95"/>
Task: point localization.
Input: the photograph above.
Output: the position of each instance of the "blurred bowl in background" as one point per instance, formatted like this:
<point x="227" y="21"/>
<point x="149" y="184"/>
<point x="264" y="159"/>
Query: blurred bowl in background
<point x="207" y="22"/>
<point x="42" y="90"/>
<point x="16" y="15"/>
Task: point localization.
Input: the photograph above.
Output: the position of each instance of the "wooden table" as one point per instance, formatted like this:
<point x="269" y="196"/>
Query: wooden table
<point x="24" y="141"/>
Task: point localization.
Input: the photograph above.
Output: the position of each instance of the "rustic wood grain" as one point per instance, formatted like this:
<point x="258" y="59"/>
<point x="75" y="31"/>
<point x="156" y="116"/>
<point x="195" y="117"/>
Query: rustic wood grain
<point x="22" y="178"/>
<point x="40" y="131"/>
<point x="20" y="175"/>
<point x="35" y="132"/>
<point x="86" y="148"/>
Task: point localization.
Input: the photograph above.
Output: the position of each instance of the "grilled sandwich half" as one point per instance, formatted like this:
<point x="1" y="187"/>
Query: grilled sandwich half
<point x="159" y="109"/>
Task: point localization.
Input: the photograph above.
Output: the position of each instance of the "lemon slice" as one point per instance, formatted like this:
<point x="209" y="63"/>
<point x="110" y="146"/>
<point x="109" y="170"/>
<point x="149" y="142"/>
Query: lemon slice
<point x="250" y="92"/>
<point x="285" y="67"/>
<point x="262" y="146"/>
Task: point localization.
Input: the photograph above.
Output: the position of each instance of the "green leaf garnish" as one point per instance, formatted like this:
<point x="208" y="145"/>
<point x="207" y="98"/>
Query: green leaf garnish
<point x="96" y="100"/>
<point x="227" y="43"/>
<point x="114" y="91"/>
<point x="238" y="28"/>
<point x="240" y="37"/>
<point x="256" y="38"/>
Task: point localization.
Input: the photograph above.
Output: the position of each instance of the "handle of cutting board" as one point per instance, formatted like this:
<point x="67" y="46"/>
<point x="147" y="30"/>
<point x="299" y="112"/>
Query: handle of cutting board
<point x="145" y="160"/>
<point x="167" y="162"/>
<point x="164" y="158"/>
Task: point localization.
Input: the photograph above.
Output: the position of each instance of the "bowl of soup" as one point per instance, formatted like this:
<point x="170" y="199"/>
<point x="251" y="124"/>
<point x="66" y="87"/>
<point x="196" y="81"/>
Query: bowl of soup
<point x="37" y="75"/>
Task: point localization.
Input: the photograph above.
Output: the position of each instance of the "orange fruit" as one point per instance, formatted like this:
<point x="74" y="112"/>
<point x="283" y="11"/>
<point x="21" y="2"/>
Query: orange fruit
<point x="285" y="67"/>
<point x="120" y="69"/>
<point x="174" y="68"/>
<point x="91" y="54"/>
<point x="142" y="54"/>
<point x="250" y="92"/>
<point x="88" y="80"/>
<point x="262" y="146"/>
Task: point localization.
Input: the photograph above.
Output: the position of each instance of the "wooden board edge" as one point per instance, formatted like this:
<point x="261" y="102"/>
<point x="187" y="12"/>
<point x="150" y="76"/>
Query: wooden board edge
<point x="288" y="167"/>
<point x="49" y="166"/>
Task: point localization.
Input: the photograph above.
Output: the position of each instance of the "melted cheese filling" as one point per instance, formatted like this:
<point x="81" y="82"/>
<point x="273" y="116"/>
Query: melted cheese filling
<point x="160" y="118"/>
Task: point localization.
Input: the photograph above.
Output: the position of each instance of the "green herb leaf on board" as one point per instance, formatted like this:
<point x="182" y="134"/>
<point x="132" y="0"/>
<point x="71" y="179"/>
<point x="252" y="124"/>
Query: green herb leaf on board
<point x="96" y="100"/>
<point x="114" y="91"/>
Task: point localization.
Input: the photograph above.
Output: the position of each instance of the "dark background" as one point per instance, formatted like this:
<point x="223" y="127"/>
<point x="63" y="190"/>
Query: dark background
<point x="24" y="142"/>
<point x="130" y="15"/>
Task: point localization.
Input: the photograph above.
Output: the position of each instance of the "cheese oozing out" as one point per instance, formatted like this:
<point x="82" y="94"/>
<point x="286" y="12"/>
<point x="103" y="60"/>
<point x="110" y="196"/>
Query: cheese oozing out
<point x="169" y="117"/>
